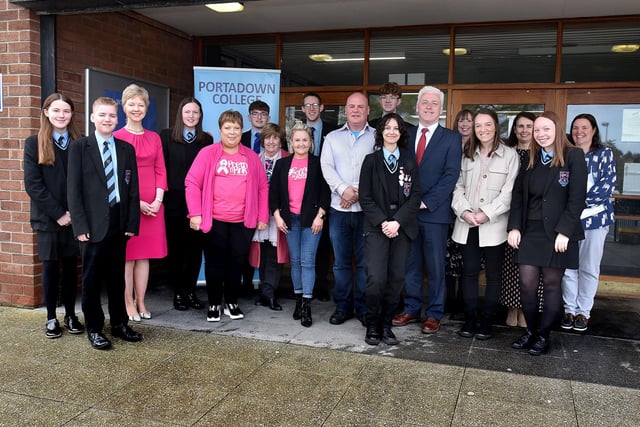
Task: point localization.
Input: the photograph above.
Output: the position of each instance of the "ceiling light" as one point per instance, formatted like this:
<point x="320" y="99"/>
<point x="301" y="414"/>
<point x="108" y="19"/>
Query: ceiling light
<point x="325" y="57"/>
<point x="236" y="6"/>
<point x="456" y="51"/>
<point x="320" y="57"/>
<point x="625" y="48"/>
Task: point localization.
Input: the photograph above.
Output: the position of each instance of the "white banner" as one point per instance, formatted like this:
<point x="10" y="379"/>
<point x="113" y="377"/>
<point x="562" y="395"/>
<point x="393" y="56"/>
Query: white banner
<point x="220" y="88"/>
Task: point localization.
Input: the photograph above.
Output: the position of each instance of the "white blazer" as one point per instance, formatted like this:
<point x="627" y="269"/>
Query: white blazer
<point x="494" y="195"/>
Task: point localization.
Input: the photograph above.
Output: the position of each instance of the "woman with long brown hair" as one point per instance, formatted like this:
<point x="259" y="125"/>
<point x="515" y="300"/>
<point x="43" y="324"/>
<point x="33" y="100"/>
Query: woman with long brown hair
<point x="45" y="180"/>
<point x="544" y="225"/>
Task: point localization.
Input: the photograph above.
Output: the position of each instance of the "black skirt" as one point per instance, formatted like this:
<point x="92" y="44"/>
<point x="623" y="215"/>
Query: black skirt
<point x="536" y="249"/>
<point x="55" y="245"/>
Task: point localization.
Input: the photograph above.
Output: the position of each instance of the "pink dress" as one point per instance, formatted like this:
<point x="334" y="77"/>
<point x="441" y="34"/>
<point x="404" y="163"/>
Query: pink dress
<point x="151" y="241"/>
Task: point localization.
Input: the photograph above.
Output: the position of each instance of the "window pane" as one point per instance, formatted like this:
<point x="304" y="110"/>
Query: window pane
<point x="587" y="55"/>
<point x="339" y="59"/>
<point x="507" y="54"/>
<point x="619" y="127"/>
<point x="254" y="52"/>
<point x="424" y="61"/>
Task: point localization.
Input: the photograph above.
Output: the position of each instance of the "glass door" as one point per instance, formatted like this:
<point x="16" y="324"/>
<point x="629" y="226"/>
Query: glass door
<point x="506" y="103"/>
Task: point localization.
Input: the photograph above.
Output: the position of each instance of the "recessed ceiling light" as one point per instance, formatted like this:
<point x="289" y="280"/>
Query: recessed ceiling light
<point x="625" y="48"/>
<point x="320" y="57"/>
<point x="235" y="6"/>
<point x="456" y="51"/>
<point x="325" y="57"/>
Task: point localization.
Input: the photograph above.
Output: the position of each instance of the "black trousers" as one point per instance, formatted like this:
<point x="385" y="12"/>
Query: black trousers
<point x="386" y="265"/>
<point x="103" y="264"/>
<point x="226" y="248"/>
<point x="270" y="271"/>
<point x="323" y="260"/>
<point x="472" y="255"/>
<point x="185" y="254"/>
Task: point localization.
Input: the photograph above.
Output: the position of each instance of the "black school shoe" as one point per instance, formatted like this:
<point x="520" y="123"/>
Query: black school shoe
<point x="52" y="330"/>
<point x="540" y="346"/>
<point x="73" y="325"/>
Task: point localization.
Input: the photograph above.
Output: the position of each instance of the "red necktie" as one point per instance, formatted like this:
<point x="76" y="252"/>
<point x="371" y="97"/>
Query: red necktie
<point x="422" y="144"/>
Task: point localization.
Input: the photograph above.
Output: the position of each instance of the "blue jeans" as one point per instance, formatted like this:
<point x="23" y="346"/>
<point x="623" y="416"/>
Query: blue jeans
<point x="347" y="237"/>
<point x="303" y="245"/>
<point x="427" y="252"/>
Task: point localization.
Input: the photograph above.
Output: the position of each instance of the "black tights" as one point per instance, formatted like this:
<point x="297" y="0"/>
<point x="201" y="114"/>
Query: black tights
<point x="552" y="296"/>
<point x="53" y="282"/>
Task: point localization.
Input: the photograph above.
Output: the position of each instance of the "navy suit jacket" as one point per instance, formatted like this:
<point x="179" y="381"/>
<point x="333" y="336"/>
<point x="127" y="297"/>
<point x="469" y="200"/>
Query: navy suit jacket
<point x="87" y="188"/>
<point x="439" y="171"/>
<point x="562" y="201"/>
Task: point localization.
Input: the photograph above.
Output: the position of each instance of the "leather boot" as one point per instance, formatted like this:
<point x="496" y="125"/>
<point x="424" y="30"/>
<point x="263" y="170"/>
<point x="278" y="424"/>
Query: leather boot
<point x="297" y="312"/>
<point x="305" y="319"/>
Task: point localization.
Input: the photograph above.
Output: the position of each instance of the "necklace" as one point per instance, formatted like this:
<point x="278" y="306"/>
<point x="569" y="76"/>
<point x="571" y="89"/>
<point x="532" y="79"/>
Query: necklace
<point x="133" y="131"/>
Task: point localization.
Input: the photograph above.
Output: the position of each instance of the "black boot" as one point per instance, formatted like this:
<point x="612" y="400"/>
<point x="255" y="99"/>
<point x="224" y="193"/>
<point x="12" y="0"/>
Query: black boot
<point x="305" y="319"/>
<point x="297" y="312"/>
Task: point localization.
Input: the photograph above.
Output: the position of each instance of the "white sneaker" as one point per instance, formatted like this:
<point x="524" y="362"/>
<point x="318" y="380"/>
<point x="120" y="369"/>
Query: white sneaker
<point x="233" y="311"/>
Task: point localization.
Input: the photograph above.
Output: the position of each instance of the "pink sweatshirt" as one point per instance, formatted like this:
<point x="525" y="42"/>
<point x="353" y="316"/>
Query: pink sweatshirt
<point x="199" y="187"/>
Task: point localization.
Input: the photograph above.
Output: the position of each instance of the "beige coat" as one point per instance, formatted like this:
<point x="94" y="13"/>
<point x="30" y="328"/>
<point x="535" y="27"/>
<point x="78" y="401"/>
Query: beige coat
<point x="494" y="195"/>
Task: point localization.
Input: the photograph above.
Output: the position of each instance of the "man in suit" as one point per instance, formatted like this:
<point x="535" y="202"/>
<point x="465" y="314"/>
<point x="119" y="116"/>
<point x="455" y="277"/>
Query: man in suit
<point x="438" y="153"/>
<point x="341" y="158"/>
<point x="104" y="202"/>
<point x="390" y="98"/>
<point x="258" y="117"/>
<point x="312" y="107"/>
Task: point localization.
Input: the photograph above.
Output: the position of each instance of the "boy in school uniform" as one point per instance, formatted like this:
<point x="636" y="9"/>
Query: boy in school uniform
<point x="104" y="202"/>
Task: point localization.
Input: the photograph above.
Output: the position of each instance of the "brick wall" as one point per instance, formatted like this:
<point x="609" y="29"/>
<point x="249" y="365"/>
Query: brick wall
<point x="20" y="69"/>
<point x="124" y="43"/>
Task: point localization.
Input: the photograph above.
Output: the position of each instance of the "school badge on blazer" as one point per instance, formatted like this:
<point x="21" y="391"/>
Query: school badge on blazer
<point x="127" y="176"/>
<point x="564" y="178"/>
<point x="405" y="182"/>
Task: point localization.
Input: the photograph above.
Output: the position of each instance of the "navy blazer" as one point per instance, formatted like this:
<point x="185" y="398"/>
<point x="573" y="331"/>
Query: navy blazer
<point x="562" y="201"/>
<point x="326" y="128"/>
<point x="316" y="191"/>
<point x="46" y="186"/>
<point x="245" y="139"/>
<point x="374" y="193"/>
<point x="439" y="171"/>
<point x="87" y="188"/>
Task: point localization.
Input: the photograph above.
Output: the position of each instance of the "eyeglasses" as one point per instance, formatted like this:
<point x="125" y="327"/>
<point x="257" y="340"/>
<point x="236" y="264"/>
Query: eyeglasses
<point x="389" y="98"/>
<point x="259" y="114"/>
<point x="314" y="105"/>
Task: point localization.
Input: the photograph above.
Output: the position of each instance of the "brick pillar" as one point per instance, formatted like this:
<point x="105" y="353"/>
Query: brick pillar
<point x="20" y="269"/>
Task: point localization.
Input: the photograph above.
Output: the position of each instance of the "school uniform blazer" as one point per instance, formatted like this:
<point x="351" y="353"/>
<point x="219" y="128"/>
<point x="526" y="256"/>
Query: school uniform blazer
<point x="562" y="201"/>
<point x="245" y="139"/>
<point x="439" y="171"/>
<point x="374" y="193"/>
<point x="87" y="188"/>
<point x="316" y="191"/>
<point x="326" y="128"/>
<point x="46" y="186"/>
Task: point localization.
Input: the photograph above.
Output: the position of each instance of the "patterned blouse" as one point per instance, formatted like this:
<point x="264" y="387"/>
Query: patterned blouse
<point x="601" y="182"/>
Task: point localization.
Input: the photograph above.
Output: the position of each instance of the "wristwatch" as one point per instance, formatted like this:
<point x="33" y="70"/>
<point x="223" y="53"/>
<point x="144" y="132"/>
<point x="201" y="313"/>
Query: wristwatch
<point x="322" y="216"/>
